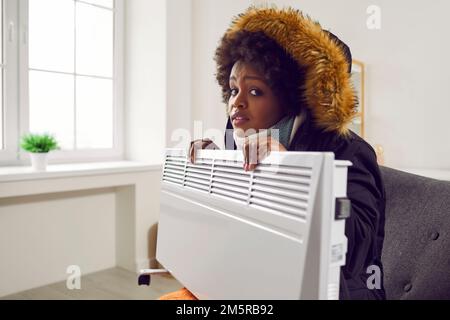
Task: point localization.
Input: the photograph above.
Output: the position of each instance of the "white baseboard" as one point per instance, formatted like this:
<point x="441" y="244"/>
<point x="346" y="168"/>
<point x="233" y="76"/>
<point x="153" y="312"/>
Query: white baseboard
<point x="151" y="263"/>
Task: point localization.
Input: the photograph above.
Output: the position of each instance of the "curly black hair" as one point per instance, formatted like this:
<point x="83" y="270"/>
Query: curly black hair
<point x="282" y="73"/>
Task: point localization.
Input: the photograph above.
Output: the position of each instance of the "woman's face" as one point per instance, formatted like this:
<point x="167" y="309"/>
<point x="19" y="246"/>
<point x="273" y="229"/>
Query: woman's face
<point x="252" y="104"/>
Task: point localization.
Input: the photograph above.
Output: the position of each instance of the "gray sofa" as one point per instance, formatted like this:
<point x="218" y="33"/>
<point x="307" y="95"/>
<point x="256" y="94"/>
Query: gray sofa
<point x="416" y="251"/>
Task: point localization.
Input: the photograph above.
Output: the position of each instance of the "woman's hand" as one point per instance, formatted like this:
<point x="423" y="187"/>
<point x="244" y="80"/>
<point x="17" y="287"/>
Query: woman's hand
<point x="199" y="145"/>
<point x="256" y="150"/>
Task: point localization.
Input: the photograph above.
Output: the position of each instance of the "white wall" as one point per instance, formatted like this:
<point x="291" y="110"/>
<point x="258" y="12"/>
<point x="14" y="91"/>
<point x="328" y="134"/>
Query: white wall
<point x="40" y="236"/>
<point x="407" y="70"/>
<point x="145" y="80"/>
<point x="179" y="62"/>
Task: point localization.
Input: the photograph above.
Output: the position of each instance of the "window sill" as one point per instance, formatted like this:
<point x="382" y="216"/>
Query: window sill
<point x="24" y="173"/>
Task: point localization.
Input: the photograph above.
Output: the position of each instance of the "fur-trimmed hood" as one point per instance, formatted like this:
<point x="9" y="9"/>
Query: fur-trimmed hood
<point x="328" y="90"/>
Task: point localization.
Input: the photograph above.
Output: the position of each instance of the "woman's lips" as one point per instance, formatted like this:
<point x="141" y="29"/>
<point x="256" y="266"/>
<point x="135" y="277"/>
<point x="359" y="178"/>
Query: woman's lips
<point x="240" y="120"/>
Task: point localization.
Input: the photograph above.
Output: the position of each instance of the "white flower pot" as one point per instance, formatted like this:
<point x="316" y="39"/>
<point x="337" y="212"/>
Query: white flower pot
<point x="39" y="161"/>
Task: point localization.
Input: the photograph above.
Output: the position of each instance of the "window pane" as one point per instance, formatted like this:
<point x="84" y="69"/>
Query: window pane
<point x="52" y="106"/>
<point x="94" y="113"/>
<point x="51" y="35"/>
<point x="95" y="32"/>
<point x="103" y="3"/>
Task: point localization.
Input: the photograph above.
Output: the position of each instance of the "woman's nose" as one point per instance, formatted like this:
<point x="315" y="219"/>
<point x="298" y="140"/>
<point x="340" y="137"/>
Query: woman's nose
<point x="236" y="106"/>
<point x="239" y="102"/>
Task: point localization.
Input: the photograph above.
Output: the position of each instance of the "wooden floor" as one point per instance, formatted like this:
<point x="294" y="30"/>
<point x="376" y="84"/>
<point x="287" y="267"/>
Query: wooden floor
<point x="111" y="284"/>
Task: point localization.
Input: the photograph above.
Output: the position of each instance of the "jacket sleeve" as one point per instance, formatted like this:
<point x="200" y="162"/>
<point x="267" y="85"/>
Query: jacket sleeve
<point x="366" y="193"/>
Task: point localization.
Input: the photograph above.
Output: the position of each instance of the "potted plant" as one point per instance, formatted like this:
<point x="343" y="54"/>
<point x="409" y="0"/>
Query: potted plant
<point x="39" y="145"/>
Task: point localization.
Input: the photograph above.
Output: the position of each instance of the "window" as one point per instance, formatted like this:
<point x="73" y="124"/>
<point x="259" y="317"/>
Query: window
<point x="9" y="106"/>
<point x="69" y="67"/>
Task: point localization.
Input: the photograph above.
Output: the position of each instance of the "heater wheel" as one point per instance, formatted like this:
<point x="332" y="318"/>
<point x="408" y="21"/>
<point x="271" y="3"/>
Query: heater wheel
<point x="144" y="279"/>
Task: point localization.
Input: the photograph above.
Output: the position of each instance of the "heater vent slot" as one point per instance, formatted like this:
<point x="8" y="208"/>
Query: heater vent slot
<point x="230" y="180"/>
<point x="198" y="175"/>
<point x="282" y="189"/>
<point x="174" y="169"/>
<point x="277" y="188"/>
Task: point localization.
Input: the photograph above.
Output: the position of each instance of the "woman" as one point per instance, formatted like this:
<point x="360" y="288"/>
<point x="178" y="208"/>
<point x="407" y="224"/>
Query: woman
<point x="280" y="70"/>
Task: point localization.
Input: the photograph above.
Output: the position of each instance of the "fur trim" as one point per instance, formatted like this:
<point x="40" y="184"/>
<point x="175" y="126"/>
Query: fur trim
<point x="329" y="92"/>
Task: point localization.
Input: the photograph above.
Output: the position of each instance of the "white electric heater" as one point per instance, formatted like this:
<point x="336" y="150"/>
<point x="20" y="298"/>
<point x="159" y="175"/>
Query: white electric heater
<point x="274" y="233"/>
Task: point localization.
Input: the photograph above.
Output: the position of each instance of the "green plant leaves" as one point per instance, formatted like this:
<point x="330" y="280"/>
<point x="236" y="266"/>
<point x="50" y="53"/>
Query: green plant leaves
<point x="37" y="143"/>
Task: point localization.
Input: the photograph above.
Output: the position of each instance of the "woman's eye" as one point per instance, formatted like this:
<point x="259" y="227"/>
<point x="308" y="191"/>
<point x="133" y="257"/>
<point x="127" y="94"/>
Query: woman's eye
<point x="253" y="92"/>
<point x="256" y="92"/>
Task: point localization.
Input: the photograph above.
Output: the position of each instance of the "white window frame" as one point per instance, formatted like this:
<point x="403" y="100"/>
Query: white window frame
<point x="13" y="154"/>
<point x="9" y="154"/>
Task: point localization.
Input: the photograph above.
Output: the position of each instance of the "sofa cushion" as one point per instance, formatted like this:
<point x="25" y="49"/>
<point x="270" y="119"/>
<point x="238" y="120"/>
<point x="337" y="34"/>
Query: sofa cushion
<point x="416" y="250"/>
